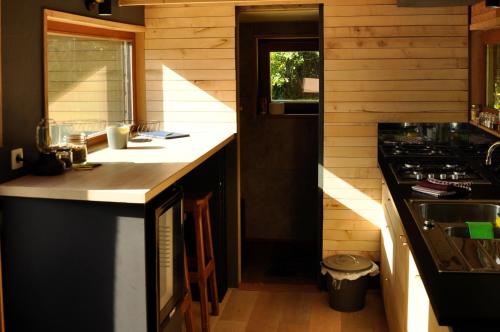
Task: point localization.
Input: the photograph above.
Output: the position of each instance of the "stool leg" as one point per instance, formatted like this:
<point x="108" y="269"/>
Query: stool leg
<point x="212" y="275"/>
<point x="202" y="279"/>
<point x="205" y="319"/>
<point x="188" y="302"/>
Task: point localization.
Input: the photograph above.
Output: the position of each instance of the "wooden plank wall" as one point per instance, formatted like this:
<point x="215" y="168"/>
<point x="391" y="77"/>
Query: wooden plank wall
<point x="383" y="63"/>
<point x="190" y="66"/>
<point x="85" y="79"/>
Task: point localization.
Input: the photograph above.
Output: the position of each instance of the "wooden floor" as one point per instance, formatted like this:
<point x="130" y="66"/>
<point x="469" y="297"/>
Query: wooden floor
<point x="290" y="310"/>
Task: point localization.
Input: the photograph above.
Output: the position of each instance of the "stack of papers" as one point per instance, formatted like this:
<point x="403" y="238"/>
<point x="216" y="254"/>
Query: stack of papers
<point x="164" y="134"/>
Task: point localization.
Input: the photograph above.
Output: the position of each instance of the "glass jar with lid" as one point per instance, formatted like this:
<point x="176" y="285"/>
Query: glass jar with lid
<point x="78" y="145"/>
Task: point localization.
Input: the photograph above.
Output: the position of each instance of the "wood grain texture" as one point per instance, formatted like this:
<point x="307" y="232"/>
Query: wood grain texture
<point x="190" y="66"/>
<point x="484" y="18"/>
<point x="383" y="63"/>
<point x="56" y="16"/>
<point x="215" y="2"/>
<point x="406" y="301"/>
<point x="293" y="309"/>
<point x="122" y="178"/>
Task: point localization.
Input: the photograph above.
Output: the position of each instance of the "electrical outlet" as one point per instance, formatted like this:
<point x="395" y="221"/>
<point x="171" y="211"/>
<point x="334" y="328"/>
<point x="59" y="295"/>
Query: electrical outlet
<point x="15" y="154"/>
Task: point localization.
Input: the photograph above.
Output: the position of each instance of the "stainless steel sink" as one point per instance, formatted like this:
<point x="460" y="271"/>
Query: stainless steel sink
<point x="458" y="211"/>
<point x="441" y="224"/>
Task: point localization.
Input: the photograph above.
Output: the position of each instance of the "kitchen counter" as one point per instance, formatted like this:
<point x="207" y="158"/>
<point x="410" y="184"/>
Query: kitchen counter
<point x="94" y="235"/>
<point x="461" y="300"/>
<point x="133" y="175"/>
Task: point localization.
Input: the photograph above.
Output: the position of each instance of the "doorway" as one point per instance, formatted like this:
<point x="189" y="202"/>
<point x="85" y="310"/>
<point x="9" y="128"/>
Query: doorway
<point x="279" y="77"/>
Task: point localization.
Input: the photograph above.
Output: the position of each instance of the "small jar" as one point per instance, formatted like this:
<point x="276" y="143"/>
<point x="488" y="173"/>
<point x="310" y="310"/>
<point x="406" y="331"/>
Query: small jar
<point x="475" y="109"/>
<point x="65" y="154"/>
<point x="78" y="145"/>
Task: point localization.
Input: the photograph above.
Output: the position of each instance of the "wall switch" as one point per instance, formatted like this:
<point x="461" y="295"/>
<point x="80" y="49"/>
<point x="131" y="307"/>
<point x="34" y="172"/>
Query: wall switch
<point x="15" y="156"/>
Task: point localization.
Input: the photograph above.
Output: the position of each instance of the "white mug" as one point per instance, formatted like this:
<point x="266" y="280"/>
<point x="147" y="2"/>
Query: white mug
<point x="117" y="136"/>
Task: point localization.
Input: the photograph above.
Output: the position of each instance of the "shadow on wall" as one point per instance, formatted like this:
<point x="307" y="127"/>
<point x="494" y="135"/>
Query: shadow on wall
<point x="353" y="214"/>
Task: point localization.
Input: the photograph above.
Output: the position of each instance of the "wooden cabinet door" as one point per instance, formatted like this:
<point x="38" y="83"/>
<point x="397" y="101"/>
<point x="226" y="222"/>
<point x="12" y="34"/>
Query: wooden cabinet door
<point x="401" y="253"/>
<point x="405" y="298"/>
<point x="387" y="281"/>
<point x="420" y="314"/>
<point x="393" y="267"/>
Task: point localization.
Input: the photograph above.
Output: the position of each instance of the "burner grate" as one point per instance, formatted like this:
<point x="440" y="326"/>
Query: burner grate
<point x="412" y="172"/>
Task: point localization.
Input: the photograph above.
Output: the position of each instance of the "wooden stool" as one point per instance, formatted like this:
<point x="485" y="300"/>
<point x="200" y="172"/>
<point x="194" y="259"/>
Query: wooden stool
<point x="187" y="302"/>
<point x="198" y="206"/>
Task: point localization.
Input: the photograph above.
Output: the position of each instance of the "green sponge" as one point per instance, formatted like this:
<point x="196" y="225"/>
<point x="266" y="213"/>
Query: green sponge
<point x="480" y="230"/>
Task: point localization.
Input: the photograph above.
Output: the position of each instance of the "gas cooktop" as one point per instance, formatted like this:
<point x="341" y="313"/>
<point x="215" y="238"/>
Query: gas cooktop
<point x="417" y="150"/>
<point x="416" y="170"/>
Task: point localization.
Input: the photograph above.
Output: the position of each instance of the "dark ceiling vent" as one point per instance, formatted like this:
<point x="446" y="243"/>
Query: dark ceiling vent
<point x="436" y="3"/>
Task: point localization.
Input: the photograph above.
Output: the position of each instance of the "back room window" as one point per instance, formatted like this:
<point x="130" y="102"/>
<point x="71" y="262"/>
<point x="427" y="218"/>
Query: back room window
<point x="289" y="72"/>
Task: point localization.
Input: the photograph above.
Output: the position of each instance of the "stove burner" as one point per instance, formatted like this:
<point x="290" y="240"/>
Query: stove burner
<point x="418" y="175"/>
<point x="397" y="151"/>
<point x="416" y="150"/>
<point x="437" y="152"/>
<point x="409" y="172"/>
<point x="411" y="166"/>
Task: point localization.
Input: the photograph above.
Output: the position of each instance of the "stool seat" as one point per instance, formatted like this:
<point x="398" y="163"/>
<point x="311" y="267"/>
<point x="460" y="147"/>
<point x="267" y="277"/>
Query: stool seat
<point x="193" y="199"/>
<point x="197" y="204"/>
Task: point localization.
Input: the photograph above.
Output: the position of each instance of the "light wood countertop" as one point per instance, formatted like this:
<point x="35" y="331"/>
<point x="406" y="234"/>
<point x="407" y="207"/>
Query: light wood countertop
<point x="133" y="175"/>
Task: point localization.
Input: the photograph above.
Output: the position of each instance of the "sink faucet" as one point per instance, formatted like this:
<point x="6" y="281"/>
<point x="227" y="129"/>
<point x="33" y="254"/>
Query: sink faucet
<point x="490" y="153"/>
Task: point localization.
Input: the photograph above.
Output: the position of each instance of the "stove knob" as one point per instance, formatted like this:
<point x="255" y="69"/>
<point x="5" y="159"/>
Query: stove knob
<point x="430" y="176"/>
<point x="429" y="223"/>
<point x="454" y="176"/>
<point x="442" y="176"/>
<point x="419" y="176"/>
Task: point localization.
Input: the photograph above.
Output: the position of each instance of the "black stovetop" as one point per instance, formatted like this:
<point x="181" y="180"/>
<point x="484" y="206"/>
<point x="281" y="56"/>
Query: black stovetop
<point x="451" y="170"/>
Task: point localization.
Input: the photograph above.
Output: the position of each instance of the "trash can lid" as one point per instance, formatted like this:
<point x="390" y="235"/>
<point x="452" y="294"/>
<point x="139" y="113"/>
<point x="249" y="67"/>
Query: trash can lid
<point x="347" y="263"/>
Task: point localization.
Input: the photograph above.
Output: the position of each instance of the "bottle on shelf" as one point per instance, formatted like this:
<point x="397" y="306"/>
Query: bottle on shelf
<point x="475" y="109"/>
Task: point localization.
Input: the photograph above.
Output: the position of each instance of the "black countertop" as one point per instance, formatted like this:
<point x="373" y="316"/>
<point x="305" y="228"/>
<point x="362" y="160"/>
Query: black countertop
<point x="466" y="301"/>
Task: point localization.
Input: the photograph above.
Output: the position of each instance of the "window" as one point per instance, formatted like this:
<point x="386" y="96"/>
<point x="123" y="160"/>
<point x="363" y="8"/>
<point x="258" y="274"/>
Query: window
<point x="493" y="76"/>
<point x="294" y="76"/>
<point x="89" y="76"/>
<point x="289" y="72"/>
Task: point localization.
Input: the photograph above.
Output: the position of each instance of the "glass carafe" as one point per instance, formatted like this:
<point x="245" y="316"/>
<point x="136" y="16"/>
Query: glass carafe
<point x="43" y="138"/>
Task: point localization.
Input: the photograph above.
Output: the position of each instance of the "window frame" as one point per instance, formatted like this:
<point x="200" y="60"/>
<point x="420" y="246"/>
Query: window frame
<point x="490" y="37"/>
<point x="81" y="26"/>
<point x="283" y="44"/>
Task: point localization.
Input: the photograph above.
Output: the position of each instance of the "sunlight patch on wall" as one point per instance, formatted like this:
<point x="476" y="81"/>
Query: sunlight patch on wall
<point x="351" y="197"/>
<point x="185" y="105"/>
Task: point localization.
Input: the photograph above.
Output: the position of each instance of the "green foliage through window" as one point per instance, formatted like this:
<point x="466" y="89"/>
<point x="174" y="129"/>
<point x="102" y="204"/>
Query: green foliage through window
<point x="291" y="73"/>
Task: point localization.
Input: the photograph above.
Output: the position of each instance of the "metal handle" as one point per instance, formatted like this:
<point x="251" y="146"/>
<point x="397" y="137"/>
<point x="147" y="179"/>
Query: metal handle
<point x="353" y="258"/>
<point x="403" y="240"/>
